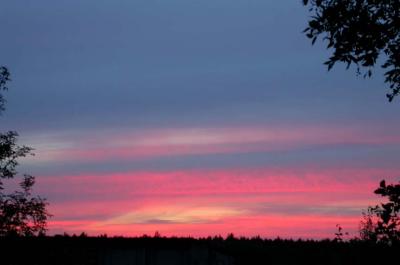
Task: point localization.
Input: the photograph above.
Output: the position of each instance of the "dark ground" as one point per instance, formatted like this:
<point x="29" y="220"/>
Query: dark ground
<point x="182" y="251"/>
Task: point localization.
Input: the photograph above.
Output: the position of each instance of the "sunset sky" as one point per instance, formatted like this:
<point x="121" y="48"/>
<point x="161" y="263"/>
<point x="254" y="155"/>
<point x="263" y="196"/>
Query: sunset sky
<point x="192" y="117"/>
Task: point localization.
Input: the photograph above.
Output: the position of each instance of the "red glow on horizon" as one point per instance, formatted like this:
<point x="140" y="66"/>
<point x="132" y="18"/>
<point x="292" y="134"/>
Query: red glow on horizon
<point x="211" y="202"/>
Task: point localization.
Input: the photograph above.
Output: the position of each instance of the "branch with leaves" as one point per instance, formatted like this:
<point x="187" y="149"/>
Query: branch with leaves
<point x="359" y="32"/>
<point x="21" y="213"/>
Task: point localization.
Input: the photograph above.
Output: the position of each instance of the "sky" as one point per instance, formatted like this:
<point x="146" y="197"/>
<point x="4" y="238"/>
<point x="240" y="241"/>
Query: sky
<point x="192" y="118"/>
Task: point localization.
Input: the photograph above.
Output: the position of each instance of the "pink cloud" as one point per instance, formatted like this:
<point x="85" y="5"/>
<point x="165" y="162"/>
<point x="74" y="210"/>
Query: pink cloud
<point x="230" y="181"/>
<point x="261" y="201"/>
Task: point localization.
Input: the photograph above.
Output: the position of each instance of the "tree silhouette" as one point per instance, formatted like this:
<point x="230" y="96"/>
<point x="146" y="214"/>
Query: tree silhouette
<point x="21" y="213"/>
<point x="382" y="222"/>
<point x="4" y="77"/>
<point x="359" y="31"/>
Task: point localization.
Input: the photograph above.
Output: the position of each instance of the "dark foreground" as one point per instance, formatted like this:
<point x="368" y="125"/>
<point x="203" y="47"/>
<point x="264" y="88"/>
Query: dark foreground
<point x="188" y="251"/>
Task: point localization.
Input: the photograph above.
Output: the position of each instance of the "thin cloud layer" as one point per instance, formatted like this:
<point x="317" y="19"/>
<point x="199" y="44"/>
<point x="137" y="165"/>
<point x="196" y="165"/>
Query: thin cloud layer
<point x="147" y="144"/>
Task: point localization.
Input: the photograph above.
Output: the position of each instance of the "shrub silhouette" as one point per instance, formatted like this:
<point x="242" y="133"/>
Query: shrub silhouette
<point x="382" y="222"/>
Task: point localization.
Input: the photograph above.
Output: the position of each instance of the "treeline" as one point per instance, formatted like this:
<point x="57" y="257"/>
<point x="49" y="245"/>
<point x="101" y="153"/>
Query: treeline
<point x="146" y="250"/>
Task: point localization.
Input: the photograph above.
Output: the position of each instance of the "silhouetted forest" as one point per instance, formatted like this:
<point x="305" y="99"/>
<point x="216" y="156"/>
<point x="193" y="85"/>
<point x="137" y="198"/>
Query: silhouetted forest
<point x="212" y="250"/>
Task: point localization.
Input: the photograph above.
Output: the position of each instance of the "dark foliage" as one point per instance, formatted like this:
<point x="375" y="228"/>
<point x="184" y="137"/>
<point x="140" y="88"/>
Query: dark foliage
<point x="10" y="151"/>
<point x="382" y="222"/>
<point x="4" y="78"/>
<point x="21" y="213"/>
<point x="359" y="31"/>
<point x="146" y="250"/>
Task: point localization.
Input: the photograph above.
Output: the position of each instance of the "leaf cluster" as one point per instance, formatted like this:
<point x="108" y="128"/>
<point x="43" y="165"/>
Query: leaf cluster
<point x="359" y="31"/>
<point x="4" y="78"/>
<point x="10" y="151"/>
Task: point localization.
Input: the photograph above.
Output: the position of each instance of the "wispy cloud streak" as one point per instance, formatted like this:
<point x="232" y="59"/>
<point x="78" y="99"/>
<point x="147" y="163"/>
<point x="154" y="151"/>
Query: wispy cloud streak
<point x="147" y="144"/>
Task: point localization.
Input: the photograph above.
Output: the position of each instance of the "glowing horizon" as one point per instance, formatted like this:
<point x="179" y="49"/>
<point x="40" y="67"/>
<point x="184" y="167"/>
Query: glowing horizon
<point x="303" y="199"/>
<point x="261" y="208"/>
